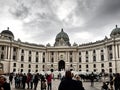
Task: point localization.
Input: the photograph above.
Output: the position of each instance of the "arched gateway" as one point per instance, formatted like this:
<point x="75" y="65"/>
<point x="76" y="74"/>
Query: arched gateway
<point x="61" y="65"/>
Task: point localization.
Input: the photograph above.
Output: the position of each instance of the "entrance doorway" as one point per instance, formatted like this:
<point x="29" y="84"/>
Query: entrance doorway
<point x="61" y="65"/>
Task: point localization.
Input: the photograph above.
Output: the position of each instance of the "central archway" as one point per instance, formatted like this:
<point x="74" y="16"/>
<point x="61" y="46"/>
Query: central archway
<point x="61" y="65"/>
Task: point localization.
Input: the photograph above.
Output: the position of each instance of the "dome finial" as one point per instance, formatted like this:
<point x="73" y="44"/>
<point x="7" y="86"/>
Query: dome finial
<point x="116" y="26"/>
<point x="62" y="30"/>
<point x="7" y="28"/>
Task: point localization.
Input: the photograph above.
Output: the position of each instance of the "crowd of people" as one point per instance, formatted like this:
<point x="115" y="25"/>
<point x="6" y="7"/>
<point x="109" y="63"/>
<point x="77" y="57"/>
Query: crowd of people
<point x="68" y="82"/>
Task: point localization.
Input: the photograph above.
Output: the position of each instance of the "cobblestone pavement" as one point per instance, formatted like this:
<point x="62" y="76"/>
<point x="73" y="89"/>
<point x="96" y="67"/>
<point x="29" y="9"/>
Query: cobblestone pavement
<point x="55" y="84"/>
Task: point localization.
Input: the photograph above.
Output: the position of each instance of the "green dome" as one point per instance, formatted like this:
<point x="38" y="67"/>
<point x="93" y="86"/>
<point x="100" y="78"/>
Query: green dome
<point x="62" y="39"/>
<point x="115" y="32"/>
<point x="7" y="33"/>
<point x="62" y="35"/>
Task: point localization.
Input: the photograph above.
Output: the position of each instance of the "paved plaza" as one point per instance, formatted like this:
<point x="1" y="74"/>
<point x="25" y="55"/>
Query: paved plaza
<point x="55" y="84"/>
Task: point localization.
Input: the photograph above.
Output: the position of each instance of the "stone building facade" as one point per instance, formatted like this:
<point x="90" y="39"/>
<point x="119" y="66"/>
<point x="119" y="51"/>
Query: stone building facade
<point x="99" y="56"/>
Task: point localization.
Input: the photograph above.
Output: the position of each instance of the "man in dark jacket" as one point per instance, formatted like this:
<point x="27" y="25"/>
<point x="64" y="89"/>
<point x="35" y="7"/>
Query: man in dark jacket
<point x="3" y="84"/>
<point x="68" y="83"/>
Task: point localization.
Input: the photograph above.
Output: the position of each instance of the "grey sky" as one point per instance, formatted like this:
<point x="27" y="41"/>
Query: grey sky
<point x="39" y="21"/>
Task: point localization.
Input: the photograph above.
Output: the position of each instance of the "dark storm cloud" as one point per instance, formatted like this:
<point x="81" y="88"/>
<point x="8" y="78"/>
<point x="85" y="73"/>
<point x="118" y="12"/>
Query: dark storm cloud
<point x="42" y="16"/>
<point x="108" y="12"/>
<point x="20" y="11"/>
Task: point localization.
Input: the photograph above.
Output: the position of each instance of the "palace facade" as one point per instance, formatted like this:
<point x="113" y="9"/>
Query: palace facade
<point x="99" y="56"/>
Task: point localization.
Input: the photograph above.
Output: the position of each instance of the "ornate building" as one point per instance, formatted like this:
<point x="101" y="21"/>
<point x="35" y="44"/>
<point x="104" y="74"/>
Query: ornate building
<point x="99" y="56"/>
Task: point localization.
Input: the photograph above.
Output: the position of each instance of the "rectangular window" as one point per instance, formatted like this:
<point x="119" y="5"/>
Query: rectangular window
<point x="22" y="58"/>
<point x="70" y="52"/>
<point x="21" y="65"/>
<point x="79" y="59"/>
<point x="43" y="60"/>
<point x="2" y="48"/>
<point x="14" y="57"/>
<point x="36" y="59"/>
<point x="79" y="66"/>
<point x="14" y="64"/>
<point x="70" y="59"/>
<point x="29" y="59"/>
<point x="102" y="65"/>
<point x="36" y="53"/>
<point x="22" y="51"/>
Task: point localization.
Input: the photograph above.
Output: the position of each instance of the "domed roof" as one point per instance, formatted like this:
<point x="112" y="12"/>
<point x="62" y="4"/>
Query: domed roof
<point x="62" y="35"/>
<point x="115" y="31"/>
<point x="7" y="32"/>
<point x="62" y="39"/>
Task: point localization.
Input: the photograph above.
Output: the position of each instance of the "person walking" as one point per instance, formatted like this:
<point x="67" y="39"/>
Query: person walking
<point x="35" y="81"/>
<point x="11" y="78"/>
<point x="79" y="82"/>
<point x="43" y="83"/>
<point x="68" y="83"/>
<point x="4" y="85"/>
<point x="49" y="81"/>
<point x="117" y="82"/>
<point x="92" y="79"/>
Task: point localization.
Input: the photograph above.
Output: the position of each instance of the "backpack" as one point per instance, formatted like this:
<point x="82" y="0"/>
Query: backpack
<point x="43" y="85"/>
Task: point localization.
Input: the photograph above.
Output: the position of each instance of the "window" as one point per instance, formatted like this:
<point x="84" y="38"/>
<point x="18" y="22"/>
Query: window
<point x="51" y="65"/>
<point x="43" y="60"/>
<point x="21" y="70"/>
<point x="70" y="59"/>
<point x="86" y="59"/>
<point x="110" y="70"/>
<point x="79" y="53"/>
<point x="79" y="66"/>
<point x="14" y="64"/>
<point x="36" y="66"/>
<point x="43" y="53"/>
<point x="29" y="59"/>
<point x="110" y="47"/>
<point x="70" y="52"/>
<point x="103" y="70"/>
<point x="102" y="57"/>
<point x="22" y="51"/>
<point x="36" y="59"/>
<point x="94" y="58"/>
<point x="52" y="53"/>
<point x="22" y="58"/>
<point x="2" y="56"/>
<point x="30" y="52"/>
<point x="36" y="70"/>
<point x="94" y="65"/>
<point x="110" y="64"/>
<point x="111" y="56"/>
<point x="14" y="49"/>
<point x="29" y="70"/>
<point x="14" y="57"/>
<point x="86" y="52"/>
<point x="36" y="53"/>
<point x="94" y="70"/>
<point x="79" y="59"/>
<point x="102" y="51"/>
<point x="87" y="66"/>
<point x="29" y="66"/>
<point x="14" y="70"/>
<point x="2" y="48"/>
<point x="22" y="66"/>
<point x="43" y="66"/>
<point x="102" y="65"/>
<point x="94" y="51"/>
<point x="52" y="59"/>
